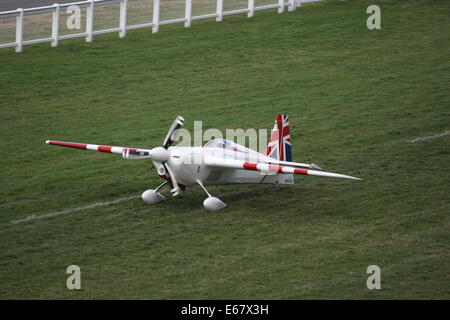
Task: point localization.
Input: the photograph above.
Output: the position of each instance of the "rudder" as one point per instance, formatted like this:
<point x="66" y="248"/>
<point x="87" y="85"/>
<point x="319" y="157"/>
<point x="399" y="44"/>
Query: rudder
<point x="279" y="146"/>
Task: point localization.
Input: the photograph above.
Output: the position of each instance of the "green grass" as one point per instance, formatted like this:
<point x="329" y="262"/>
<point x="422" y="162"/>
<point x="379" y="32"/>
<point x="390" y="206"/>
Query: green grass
<point x="354" y="97"/>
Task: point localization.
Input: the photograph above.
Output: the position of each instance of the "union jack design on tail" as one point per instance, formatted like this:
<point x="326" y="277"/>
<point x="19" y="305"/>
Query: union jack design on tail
<point x="279" y="147"/>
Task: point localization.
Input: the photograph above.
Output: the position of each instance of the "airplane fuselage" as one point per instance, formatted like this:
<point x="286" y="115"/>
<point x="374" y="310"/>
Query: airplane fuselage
<point x="189" y="164"/>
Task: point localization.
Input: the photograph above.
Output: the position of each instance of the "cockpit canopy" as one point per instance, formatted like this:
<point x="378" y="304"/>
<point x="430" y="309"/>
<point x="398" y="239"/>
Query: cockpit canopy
<point x="219" y="143"/>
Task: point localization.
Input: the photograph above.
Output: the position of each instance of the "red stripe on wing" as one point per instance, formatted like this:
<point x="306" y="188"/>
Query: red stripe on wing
<point x="301" y="171"/>
<point x="104" y="149"/>
<point x="250" y="166"/>
<point x="69" y="144"/>
<point x="278" y="169"/>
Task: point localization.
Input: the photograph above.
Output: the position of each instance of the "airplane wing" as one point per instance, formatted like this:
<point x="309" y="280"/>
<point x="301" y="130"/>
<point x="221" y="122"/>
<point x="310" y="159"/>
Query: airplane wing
<point x="268" y="168"/>
<point x="129" y="153"/>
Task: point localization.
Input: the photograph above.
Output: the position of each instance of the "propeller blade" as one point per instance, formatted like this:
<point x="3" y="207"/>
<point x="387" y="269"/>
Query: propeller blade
<point x="176" y="188"/>
<point x="173" y="134"/>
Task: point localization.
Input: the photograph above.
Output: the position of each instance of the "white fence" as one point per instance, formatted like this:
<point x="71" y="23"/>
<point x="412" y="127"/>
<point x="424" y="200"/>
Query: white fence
<point x="44" y="24"/>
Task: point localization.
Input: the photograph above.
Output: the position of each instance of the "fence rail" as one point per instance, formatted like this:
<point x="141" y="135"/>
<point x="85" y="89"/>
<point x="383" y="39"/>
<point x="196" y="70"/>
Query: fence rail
<point x="54" y="34"/>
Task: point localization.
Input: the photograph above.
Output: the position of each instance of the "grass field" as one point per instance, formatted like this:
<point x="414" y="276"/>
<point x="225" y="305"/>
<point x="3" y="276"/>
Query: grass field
<point x="354" y="97"/>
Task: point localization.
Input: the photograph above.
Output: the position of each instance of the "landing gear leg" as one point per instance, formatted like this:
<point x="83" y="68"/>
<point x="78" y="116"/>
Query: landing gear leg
<point x="212" y="203"/>
<point x="161" y="185"/>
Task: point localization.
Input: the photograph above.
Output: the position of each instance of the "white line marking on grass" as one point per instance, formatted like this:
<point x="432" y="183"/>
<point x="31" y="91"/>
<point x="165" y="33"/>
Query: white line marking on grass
<point x="57" y="213"/>
<point x="437" y="135"/>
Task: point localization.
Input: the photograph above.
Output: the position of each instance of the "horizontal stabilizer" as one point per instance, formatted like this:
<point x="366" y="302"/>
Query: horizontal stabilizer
<point x="268" y="168"/>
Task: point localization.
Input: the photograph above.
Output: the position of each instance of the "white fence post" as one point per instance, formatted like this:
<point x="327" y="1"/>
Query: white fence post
<point x="292" y="5"/>
<point x="280" y="6"/>
<point x="90" y="21"/>
<point x="55" y="25"/>
<point x="155" y="27"/>
<point x="19" y="30"/>
<point x="123" y="18"/>
<point x="251" y="8"/>
<point x="219" y="17"/>
<point x="188" y="13"/>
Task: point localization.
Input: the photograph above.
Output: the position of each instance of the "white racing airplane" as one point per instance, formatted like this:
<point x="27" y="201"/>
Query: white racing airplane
<point x="218" y="162"/>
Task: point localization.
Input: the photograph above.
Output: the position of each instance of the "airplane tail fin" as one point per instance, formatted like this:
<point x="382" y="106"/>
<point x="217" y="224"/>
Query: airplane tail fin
<point x="279" y="146"/>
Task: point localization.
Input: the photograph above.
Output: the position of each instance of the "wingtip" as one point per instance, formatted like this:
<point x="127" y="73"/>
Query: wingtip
<point x="47" y="141"/>
<point x="350" y="177"/>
